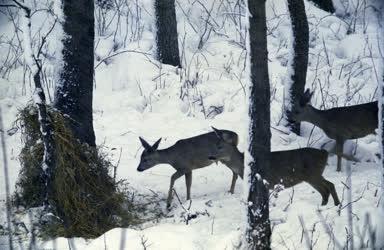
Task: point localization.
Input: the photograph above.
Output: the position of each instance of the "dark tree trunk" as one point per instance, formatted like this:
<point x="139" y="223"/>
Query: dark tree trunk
<point x="381" y="117"/>
<point x="380" y="6"/>
<point x="74" y="91"/>
<point x="166" y="35"/>
<point x="300" y="61"/>
<point x="259" y="231"/>
<point x="325" y="5"/>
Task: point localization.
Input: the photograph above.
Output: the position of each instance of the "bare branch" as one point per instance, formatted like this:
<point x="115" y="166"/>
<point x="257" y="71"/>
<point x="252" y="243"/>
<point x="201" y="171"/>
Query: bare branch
<point x="7" y="5"/>
<point x="22" y="6"/>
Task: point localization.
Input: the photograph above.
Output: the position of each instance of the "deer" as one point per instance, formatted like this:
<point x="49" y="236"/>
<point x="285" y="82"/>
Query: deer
<point x="339" y="124"/>
<point x="288" y="168"/>
<point x="185" y="156"/>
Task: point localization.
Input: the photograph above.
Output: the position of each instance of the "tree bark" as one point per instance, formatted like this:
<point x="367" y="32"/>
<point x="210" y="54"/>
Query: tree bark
<point x="381" y="103"/>
<point x="259" y="230"/>
<point x="73" y="95"/>
<point x="325" y="5"/>
<point x="166" y="35"/>
<point x="381" y="116"/>
<point x="299" y="65"/>
<point x="381" y="122"/>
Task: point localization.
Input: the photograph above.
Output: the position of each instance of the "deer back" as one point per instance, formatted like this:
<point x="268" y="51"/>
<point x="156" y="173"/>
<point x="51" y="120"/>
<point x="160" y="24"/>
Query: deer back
<point x="349" y="122"/>
<point x="187" y="154"/>
<point x="291" y="167"/>
<point x="195" y="151"/>
<point x="288" y="167"/>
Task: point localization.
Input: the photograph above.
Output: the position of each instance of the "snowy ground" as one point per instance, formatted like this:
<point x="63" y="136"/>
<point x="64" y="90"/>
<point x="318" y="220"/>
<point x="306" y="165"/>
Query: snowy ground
<point x="136" y="96"/>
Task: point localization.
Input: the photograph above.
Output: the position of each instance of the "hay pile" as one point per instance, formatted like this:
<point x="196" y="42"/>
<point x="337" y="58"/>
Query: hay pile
<point x="87" y="200"/>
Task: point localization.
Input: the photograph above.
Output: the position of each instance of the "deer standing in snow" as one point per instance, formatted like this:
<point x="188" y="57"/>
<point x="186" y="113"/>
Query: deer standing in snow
<point x="186" y="155"/>
<point x="288" y="168"/>
<point x="340" y="124"/>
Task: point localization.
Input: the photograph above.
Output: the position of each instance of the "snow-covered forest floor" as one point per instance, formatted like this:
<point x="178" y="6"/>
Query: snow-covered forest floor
<point x="136" y="96"/>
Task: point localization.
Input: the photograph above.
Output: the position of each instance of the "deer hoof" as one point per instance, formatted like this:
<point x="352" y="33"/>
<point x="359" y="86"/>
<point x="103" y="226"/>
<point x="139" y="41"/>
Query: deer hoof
<point x="324" y="202"/>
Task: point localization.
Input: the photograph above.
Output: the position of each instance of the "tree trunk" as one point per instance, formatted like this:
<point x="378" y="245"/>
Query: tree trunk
<point x="259" y="231"/>
<point x="325" y="5"/>
<point x="46" y="127"/>
<point x="299" y="65"/>
<point x="166" y="35"/>
<point x="73" y="95"/>
<point x="380" y="6"/>
<point x="381" y="124"/>
<point x="381" y="102"/>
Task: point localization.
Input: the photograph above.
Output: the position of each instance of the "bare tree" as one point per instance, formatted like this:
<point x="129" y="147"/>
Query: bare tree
<point x="300" y="32"/>
<point x="166" y="34"/>
<point x="259" y="229"/>
<point x="74" y="92"/>
<point x="34" y="62"/>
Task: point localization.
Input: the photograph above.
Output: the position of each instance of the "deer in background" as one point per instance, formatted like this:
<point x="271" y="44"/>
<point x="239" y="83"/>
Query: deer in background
<point x="288" y="168"/>
<point x="187" y="155"/>
<point x="340" y="124"/>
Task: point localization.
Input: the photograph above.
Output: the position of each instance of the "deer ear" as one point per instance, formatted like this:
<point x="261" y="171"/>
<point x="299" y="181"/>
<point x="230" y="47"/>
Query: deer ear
<point x="144" y="143"/>
<point x="306" y="97"/>
<point x="308" y="94"/>
<point x="217" y="132"/>
<point x="156" y="144"/>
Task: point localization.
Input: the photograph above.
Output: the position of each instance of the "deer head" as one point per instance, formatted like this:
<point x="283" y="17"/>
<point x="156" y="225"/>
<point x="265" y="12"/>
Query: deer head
<point x="150" y="156"/>
<point x="303" y="109"/>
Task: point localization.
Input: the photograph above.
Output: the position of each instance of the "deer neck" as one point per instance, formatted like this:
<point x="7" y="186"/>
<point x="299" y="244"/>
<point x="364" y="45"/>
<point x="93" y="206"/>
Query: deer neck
<point x="165" y="156"/>
<point x="315" y="116"/>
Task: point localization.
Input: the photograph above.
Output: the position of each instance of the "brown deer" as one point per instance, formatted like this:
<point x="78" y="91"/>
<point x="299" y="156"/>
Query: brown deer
<point x="288" y="168"/>
<point x="340" y="124"/>
<point x="186" y="155"/>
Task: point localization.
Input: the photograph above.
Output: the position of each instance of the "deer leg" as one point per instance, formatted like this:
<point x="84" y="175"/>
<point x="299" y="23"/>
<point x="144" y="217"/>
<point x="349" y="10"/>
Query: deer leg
<point x="188" y="183"/>
<point x="339" y="153"/>
<point x="174" y="177"/>
<point x="322" y="190"/>
<point x="327" y="191"/>
<point x="234" y="178"/>
<point x="332" y="189"/>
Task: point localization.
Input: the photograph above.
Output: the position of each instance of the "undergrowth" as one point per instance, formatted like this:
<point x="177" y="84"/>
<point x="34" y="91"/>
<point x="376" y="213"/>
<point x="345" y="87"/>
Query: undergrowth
<point x="87" y="200"/>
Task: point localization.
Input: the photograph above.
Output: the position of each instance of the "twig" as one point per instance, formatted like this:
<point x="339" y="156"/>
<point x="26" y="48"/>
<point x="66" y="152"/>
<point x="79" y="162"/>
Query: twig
<point x="25" y="8"/>
<point x="328" y="230"/>
<point x="7" y="5"/>
<point x="117" y="165"/>
<point x="118" y="53"/>
<point x="305" y="233"/>
<point x="144" y="243"/>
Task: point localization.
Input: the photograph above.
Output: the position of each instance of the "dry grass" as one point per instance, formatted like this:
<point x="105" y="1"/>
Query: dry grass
<point x="87" y="201"/>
